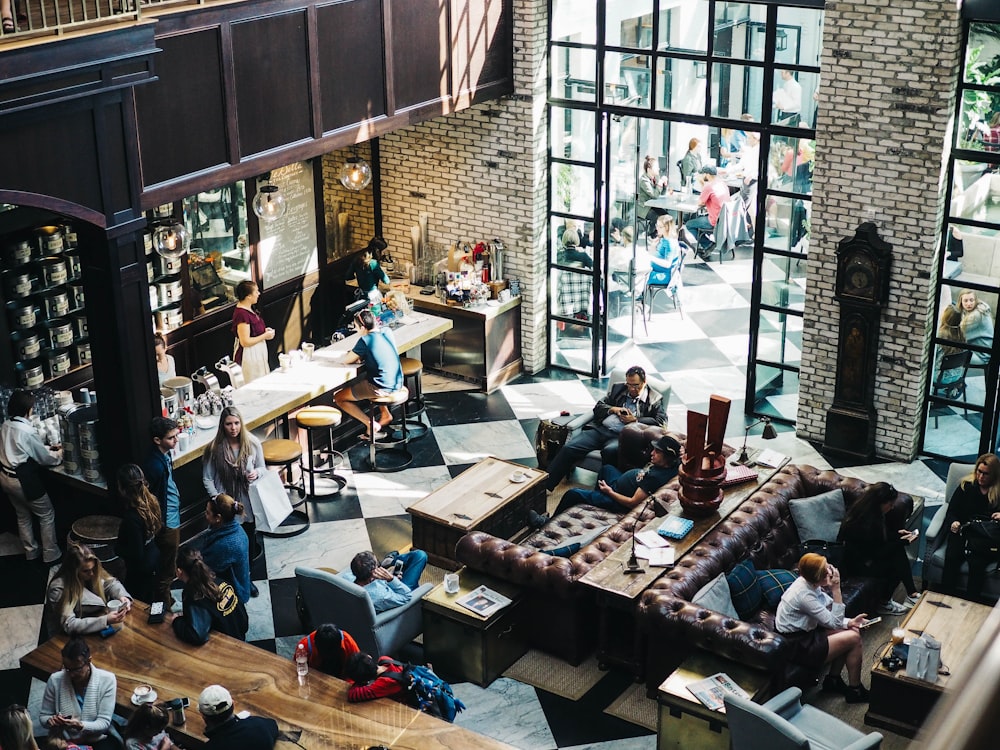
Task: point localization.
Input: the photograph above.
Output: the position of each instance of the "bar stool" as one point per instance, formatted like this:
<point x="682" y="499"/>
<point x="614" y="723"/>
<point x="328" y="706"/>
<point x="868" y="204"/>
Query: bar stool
<point x="390" y="444"/>
<point x="415" y="407"/>
<point x="284" y="454"/>
<point x="312" y="419"/>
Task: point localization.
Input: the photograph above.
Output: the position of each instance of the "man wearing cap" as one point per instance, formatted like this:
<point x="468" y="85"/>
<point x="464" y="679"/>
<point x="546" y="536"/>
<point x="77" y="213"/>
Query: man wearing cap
<point x="225" y="731"/>
<point x="622" y="492"/>
<point x="714" y="194"/>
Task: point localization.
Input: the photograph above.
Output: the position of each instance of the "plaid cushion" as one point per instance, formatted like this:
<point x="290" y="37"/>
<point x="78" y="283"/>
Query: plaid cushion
<point x="744" y="589"/>
<point x="773" y="584"/>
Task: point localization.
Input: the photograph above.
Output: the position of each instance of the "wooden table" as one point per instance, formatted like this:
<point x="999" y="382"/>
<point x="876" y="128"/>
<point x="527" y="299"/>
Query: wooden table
<point x="619" y="591"/>
<point x="481" y="498"/>
<point x="900" y="703"/>
<point x="261" y="682"/>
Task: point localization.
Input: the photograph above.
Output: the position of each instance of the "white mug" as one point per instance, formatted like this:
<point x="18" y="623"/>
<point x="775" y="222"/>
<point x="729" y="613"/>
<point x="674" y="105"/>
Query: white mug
<point x="182" y="442"/>
<point x="113" y="606"/>
<point x="451" y="583"/>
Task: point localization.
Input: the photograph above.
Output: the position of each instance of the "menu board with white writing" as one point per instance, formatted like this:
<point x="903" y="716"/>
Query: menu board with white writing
<point x="288" y="245"/>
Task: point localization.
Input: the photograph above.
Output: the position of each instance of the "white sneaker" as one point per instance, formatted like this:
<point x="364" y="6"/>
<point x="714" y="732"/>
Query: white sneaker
<point x="911" y="601"/>
<point x="891" y="608"/>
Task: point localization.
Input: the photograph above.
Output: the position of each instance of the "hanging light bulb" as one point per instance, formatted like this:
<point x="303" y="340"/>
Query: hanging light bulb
<point x="170" y="240"/>
<point x="356" y="174"/>
<point x="269" y="204"/>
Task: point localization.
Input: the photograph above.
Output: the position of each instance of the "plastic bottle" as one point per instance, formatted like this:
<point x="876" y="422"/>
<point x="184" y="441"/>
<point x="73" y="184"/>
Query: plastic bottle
<point x="301" y="663"/>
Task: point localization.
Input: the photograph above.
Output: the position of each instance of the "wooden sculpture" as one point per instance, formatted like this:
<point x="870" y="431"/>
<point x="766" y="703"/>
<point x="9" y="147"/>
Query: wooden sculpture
<point x="704" y="466"/>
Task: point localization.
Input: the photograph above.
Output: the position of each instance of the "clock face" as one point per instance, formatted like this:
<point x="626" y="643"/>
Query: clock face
<point x="859" y="277"/>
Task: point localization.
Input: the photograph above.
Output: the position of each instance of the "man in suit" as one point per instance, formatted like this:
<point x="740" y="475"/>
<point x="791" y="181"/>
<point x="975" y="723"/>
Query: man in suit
<point x="631" y="401"/>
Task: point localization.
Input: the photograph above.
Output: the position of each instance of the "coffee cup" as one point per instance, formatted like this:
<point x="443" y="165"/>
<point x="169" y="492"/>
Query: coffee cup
<point x="284" y="361"/>
<point x="143" y="694"/>
<point x="898" y="634"/>
<point x="518" y="476"/>
<point x="182" y="442"/>
<point x="451" y="583"/>
<point x="307" y="350"/>
<point x="114" y="605"/>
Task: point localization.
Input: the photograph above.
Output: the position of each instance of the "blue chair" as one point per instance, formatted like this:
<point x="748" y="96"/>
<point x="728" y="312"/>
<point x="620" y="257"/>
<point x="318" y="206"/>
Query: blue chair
<point x="671" y="284"/>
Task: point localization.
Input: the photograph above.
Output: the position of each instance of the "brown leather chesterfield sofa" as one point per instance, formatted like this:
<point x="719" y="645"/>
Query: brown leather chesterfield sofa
<point x="760" y="529"/>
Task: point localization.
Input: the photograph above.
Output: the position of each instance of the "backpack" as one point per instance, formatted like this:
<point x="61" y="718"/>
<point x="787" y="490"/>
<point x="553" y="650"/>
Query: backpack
<point x="426" y="691"/>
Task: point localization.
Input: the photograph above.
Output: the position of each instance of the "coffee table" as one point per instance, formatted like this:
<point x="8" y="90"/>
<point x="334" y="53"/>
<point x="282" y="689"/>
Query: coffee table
<point x="900" y="703"/>
<point x="481" y="498"/>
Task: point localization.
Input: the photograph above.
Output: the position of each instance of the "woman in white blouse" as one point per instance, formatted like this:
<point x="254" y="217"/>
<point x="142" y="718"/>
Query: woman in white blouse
<point x="811" y="616"/>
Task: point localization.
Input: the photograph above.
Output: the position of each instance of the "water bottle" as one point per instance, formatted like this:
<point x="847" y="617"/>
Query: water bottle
<point x="301" y="663"/>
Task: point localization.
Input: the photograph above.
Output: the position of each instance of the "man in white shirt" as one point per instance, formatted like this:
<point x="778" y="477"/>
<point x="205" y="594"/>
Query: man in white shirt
<point x="788" y="99"/>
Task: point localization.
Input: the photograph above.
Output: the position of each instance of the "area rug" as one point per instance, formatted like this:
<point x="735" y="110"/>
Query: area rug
<point x="554" y="675"/>
<point x="634" y="707"/>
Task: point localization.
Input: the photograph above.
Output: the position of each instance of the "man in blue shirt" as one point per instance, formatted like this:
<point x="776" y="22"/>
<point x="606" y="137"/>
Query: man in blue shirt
<point x="385" y="589"/>
<point x="384" y="373"/>
<point x="159" y="471"/>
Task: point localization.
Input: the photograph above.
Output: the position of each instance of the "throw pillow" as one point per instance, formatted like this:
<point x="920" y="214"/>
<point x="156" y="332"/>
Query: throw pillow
<point x="819" y="516"/>
<point x="744" y="589"/>
<point x="774" y="583"/>
<point x="715" y="596"/>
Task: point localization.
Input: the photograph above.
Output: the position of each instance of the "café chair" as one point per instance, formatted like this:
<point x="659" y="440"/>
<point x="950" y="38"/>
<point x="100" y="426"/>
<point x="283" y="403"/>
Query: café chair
<point x="783" y="723"/>
<point x="671" y="286"/>
<point x="392" y="443"/>
<point x="949" y="364"/>
<point x="632" y="290"/>
<point x="413" y="370"/>
<point x="313" y="419"/>
<point x="330" y="598"/>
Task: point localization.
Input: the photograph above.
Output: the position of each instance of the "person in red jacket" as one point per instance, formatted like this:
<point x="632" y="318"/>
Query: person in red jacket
<point x="370" y="679"/>
<point x="328" y="648"/>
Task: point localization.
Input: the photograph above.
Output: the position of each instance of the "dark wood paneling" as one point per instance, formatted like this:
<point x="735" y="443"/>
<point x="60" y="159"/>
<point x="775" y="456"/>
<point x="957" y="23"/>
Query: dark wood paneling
<point x="181" y="119"/>
<point x="351" y="73"/>
<point x="115" y="160"/>
<point x="273" y="99"/>
<point x="420" y="66"/>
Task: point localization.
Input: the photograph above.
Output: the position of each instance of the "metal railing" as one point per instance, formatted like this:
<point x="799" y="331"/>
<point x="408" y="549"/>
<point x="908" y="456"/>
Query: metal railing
<point x="41" y="18"/>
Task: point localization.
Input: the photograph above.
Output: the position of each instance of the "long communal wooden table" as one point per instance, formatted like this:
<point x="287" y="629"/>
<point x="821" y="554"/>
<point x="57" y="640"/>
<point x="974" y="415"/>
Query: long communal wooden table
<point x="316" y="714"/>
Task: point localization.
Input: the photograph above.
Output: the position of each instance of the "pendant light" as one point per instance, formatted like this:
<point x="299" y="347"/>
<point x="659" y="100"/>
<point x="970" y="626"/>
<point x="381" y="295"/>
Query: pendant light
<point x="356" y="174"/>
<point x="269" y="204"/>
<point x="170" y="240"/>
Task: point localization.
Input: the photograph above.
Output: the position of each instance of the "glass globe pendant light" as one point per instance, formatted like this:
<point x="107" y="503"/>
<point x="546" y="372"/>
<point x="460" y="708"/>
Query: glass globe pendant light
<point x="269" y="204"/>
<point x="170" y="240"/>
<point x="356" y="174"/>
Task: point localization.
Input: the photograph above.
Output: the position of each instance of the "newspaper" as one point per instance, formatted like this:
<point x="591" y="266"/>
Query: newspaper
<point x="484" y="601"/>
<point x="712" y="690"/>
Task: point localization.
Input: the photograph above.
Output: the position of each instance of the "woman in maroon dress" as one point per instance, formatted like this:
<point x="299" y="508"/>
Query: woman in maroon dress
<point x="251" y="334"/>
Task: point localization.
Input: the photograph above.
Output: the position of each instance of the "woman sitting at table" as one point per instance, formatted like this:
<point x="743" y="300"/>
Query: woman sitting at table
<point x="141" y="522"/>
<point x="666" y="252"/>
<point x="691" y="163"/>
<point x="76" y="600"/>
<point x="146" y="730"/>
<point x="225" y="549"/>
<point x="79" y="700"/>
<point x="208" y="605"/>
<point x="977" y="324"/>
<point x="233" y="460"/>
<point x="977" y="496"/>
<point x="950" y="328"/>
<point x="651" y="185"/>
<point x="811" y="617"/>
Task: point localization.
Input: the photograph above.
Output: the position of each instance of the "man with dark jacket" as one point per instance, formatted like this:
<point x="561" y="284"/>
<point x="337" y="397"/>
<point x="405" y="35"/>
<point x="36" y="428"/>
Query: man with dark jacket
<point x="159" y="471"/>
<point x="225" y="731"/>
<point x="631" y="401"/>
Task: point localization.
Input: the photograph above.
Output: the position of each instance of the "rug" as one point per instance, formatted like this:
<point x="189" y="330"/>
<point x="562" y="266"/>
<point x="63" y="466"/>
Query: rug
<point x="554" y="675"/>
<point x="634" y="707"/>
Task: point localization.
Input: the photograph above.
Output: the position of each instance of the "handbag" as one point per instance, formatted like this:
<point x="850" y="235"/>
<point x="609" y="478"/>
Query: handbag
<point x="269" y="500"/>
<point x="982" y="536"/>
<point x="832" y="551"/>
<point x="549" y="438"/>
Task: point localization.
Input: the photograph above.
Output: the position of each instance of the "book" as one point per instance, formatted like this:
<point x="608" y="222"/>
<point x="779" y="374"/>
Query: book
<point x="737" y="475"/>
<point x="712" y="690"/>
<point x="658" y="557"/>
<point x="769" y="458"/>
<point x="651" y="538"/>
<point x="483" y="601"/>
<point x="675" y="527"/>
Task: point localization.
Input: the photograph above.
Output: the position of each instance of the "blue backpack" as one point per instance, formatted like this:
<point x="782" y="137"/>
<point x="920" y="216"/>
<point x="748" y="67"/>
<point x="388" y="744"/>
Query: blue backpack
<point x="426" y="691"/>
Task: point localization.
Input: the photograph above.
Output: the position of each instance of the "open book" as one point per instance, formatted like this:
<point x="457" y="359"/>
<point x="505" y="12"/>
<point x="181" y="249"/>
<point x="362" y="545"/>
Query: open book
<point x="712" y="690"/>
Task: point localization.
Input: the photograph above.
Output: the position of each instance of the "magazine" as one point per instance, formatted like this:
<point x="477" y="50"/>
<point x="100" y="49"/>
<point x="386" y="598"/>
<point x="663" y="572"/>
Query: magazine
<point x="484" y="601"/>
<point x="659" y="557"/>
<point x="738" y="475"/>
<point x="712" y="690"/>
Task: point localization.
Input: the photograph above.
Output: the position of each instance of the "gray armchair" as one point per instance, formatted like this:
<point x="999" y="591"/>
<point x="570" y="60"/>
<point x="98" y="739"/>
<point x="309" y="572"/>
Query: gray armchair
<point x="330" y="598"/>
<point x="784" y="723"/>
<point x="937" y="538"/>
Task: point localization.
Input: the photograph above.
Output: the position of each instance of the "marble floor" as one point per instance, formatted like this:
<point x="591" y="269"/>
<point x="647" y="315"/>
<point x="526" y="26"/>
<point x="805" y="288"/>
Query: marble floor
<point x="370" y="514"/>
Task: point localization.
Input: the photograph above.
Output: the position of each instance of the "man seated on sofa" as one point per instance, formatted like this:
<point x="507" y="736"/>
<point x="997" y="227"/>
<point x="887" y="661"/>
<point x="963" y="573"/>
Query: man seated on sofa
<point x="631" y="401"/>
<point x="622" y="492"/>
<point x="385" y="589"/>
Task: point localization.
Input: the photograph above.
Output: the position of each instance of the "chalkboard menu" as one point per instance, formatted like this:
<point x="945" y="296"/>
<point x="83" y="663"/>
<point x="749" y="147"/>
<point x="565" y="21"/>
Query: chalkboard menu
<point x="288" y="246"/>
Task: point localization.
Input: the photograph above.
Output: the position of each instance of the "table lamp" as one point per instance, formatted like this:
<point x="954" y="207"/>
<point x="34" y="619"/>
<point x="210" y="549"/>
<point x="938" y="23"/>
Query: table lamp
<point x="769" y="434"/>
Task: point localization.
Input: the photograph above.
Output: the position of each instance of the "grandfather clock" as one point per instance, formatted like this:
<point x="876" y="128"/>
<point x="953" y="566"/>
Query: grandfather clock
<point x="862" y="288"/>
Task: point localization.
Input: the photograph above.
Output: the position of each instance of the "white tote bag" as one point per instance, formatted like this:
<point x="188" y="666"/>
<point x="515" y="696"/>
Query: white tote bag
<point x="269" y="500"/>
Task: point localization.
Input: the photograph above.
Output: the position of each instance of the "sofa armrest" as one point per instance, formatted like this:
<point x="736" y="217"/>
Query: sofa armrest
<point x="868" y="742"/>
<point x="935" y="527"/>
<point x="415" y="596"/>
<point x="786" y="703"/>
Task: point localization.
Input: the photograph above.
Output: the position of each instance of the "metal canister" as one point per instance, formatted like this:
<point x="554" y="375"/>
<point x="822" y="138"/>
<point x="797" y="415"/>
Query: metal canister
<point x="49" y="240"/>
<point x="19" y="284"/>
<point x="154" y="298"/>
<point x="30" y="374"/>
<point x="147" y="242"/>
<point x="77" y="299"/>
<point x="17" y="253"/>
<point x="55" y="303"/>
<point x="60" y="333"/>
<point x="73" y="265"/>
<point x="164" y="211"/>
<point x="168" y="402"/>
<point x="27" y="344"/>
<point x="23" y="315"/>
<point x="169" y="290"/>
<point x="184" y="388"/>
<point x="57" y="362"/>
<point x="69" y="236"/>
<point x="150" y="276"/>
<point x="168" y="266"/>
<point x="81" y="353"/>
<point x="54" y="271"/>
<point x="70" y="440"/>
<point x="79" y="322"/>
<point x="170" y="317"/>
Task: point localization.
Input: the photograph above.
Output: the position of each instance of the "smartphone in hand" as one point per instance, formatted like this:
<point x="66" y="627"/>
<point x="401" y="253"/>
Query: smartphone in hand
<point x="869" y="622"/>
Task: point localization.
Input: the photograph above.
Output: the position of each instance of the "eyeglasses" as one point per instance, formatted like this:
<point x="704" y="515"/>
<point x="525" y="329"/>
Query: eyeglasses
<point x="78" y="669"/>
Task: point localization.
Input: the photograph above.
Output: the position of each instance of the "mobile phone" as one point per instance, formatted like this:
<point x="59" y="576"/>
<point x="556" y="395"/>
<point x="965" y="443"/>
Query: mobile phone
<point x="869" y="622"/>
<point x="109" y="631"/>
<point x="155" y="613"/>
<point x="397" y="569"/>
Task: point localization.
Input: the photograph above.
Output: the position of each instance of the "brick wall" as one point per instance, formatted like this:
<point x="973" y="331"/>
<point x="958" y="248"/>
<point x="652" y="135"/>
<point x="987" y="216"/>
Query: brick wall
<point x="357" y="205"/>
<point x="887" y="98"/>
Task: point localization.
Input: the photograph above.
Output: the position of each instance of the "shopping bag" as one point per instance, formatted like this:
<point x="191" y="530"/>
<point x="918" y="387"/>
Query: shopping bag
<point x="924" y="658"/>
<point x="269" y="500"/>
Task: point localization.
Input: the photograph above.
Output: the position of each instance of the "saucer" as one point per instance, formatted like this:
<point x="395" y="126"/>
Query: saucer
<point x="152" y="699"/>
<point x="518" y="479"/>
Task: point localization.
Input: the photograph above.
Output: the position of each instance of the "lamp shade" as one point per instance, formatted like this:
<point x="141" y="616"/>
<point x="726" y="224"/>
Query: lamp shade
<point x="356" y="174"/>
<point x="269" y="204"/>
<point x="170" y="240"/>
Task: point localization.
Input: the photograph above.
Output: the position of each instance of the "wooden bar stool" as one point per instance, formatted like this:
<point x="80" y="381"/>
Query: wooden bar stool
<point x="390" y="444"/>
<point x="313" y="419"/>
<point x="412" y="371"/>
<point x="283" y="454"/>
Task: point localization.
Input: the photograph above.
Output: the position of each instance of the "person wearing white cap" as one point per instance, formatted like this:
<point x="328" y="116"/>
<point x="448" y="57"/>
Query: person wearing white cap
<point x="226" y="731"/>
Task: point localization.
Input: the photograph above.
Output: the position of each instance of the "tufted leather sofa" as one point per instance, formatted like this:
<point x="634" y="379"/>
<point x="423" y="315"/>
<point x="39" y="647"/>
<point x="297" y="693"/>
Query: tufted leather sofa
<point x="760" y="529"/>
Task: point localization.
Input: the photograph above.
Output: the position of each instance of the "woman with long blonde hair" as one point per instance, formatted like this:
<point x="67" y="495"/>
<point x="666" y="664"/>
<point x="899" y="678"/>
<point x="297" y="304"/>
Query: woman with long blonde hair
<point x="141" y="522"/>
<point x="77" y="597"/>
<point x="977" y="496"/>
<point x="977" y="324"/>
<point x="16" y="732"/>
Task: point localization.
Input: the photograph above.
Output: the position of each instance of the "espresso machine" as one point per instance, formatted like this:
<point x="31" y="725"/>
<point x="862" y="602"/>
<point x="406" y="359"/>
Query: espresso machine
<point x="233" y="370"/>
